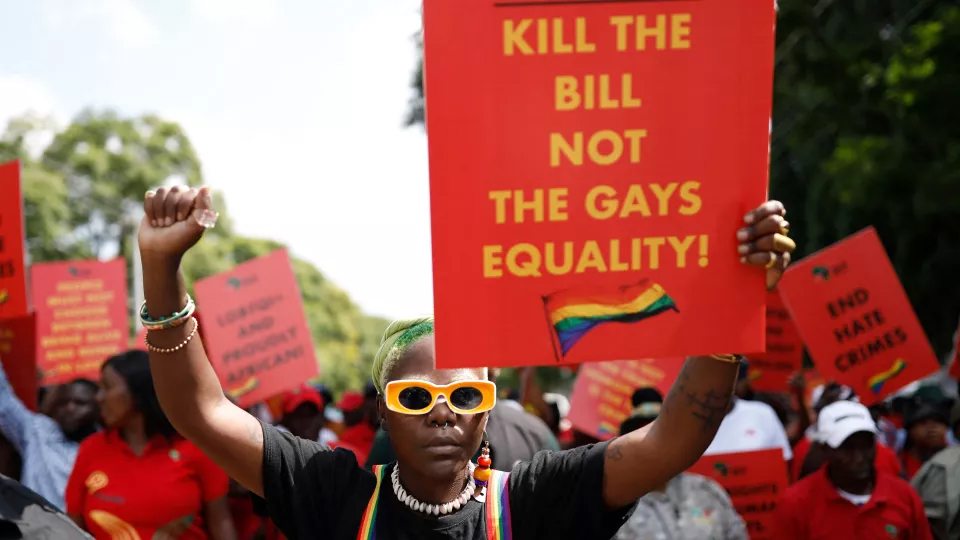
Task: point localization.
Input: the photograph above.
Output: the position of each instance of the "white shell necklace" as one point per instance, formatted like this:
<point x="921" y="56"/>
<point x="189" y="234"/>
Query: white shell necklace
<point x="433" y="509"/>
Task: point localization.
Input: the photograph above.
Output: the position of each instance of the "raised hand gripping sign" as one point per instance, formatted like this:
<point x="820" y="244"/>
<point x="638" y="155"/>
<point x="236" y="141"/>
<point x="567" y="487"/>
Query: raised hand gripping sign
<point x="590" y="163"/>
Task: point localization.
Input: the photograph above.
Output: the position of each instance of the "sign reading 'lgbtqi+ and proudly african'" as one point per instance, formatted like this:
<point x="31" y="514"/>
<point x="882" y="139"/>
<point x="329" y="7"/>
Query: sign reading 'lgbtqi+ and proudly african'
<point x="590" y="163"/>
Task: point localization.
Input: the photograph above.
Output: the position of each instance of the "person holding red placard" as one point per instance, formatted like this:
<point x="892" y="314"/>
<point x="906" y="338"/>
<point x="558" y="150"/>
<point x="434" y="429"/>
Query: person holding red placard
<point x="436" y="419"/>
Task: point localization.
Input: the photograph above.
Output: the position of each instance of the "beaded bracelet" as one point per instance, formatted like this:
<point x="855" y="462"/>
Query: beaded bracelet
<point x="179" y="318"/>
<point x="152" y="348"/>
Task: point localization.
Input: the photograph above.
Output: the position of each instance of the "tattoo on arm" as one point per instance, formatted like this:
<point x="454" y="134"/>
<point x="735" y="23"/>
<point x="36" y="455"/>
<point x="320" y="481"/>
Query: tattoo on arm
<point x="709" y="407"/>
<point x="255" y="432"/>
<point x="613" y="452"/>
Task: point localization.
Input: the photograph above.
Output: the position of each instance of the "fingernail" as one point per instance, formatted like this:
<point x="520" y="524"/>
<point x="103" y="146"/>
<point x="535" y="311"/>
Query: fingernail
<point x="784" y="214"/>
<point x="748" y="218"/>
<point x="153" y="223"/>
<point x="743" y="260"/>
<point x="167" y="221"/>
<point x="743" y="249"/>
<point x="149" y="194"/>
<point x="179" y="216"/>
<point x="742" y="235"/>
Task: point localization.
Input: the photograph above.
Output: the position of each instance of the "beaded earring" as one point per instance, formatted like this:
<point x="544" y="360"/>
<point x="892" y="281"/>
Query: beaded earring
<point x="481" y="474"/>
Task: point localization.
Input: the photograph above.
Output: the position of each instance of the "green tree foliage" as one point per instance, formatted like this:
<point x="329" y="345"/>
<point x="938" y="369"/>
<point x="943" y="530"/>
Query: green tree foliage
<point x="83" y="197"/>
<point x="865" y="132"/>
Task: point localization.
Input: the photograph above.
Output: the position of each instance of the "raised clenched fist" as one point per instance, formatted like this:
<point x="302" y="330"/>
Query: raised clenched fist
<point x="175" y="220"/>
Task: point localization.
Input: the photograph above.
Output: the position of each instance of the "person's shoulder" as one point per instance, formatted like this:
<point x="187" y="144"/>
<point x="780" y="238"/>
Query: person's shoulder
<point x="698" y="482"/>
<point x="521" y="419"/>
<point x="757" y="408"/>
<point x="894" y="486"/>
<point x="804" y="490"/>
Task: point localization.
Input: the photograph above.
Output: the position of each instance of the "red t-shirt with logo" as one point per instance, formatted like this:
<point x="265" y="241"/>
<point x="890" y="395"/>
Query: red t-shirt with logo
<point x="122" y="495"/>
<point x="812" y="508"/>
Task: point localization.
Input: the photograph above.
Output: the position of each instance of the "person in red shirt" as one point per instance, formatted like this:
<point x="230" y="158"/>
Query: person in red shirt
<point x="138" y="479"/>
<point x="359" y="431"/>
<point x="302" y="410"/>
<point x="849" y="498"/>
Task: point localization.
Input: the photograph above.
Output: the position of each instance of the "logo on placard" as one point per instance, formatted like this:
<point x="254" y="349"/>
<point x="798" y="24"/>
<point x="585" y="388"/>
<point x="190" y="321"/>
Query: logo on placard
<point x="236" y="282"/>
<point x="78" y="272"/>
<point x="822" y="274"/>
<point x="4" y="295"/>
<point x="877" y="381"/>
<point x="721" y="468"/>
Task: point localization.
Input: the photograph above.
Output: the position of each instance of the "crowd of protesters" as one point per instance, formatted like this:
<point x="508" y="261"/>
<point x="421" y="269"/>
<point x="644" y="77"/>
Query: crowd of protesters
<point x="892" y="469"/>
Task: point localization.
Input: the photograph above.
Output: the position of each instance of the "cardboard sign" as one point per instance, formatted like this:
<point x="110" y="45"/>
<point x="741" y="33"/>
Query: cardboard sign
<point x="590" y="164"/>
<point x="769" y="371"/>
<point x="18" y="355"/>
<point x="13" y="278"/>
<point x="256" y="333"/>
<point x="755" y="482"/>
<point x="601" y="394"/>
<point x="81" y="316"/>
<point x="856" y="319"/>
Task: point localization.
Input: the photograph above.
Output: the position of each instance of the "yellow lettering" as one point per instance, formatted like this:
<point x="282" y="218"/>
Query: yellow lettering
<point x="499" y="199"/>
<point x="593" y="147"/>
<point x="551" y="259"/>
<point x="513" y="38"/>
<point x="659" y="32"/>
<point x="616" y="265"/>
<point x="689" y="195"/>
<point x="663" y="196"/>
<point x="520" y="206"/>
<point x="559" y="145"/>
<point x="573" y="153"/>
<point x="635" y="201"/>
<point x="680" y="31"/>
<point x="557" y="204"/>
<point x="529" y="267"/>
<point x="492" y="261"/>
<point x="567" y="98"/>
<point x="606" y="207"/>
<point x="653" y="257"/>
<point x="583" y="44"/>
<point x="621" y="22"/>
<point x="590" y="257"/>
<point x="560" y="46"/>
<point x="681" y="247"/>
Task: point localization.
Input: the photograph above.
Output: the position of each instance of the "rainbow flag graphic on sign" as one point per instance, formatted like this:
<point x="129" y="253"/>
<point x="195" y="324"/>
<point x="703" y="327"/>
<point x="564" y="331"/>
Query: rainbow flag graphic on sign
<point x="574" y="312"/>
<point x="876" y="382"/>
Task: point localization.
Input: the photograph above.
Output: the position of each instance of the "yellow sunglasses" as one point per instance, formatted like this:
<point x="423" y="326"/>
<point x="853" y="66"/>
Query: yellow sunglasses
<point x="411" y="396"/>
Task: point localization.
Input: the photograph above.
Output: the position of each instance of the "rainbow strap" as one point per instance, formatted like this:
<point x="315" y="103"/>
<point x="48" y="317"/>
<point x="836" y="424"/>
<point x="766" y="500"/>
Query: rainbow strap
<point x="496" y="509"/>
<point x="367" y="530"/>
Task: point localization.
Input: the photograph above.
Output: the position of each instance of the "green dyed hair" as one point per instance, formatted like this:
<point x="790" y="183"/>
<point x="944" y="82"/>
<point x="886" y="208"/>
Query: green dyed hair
<point x="397" y="338"/>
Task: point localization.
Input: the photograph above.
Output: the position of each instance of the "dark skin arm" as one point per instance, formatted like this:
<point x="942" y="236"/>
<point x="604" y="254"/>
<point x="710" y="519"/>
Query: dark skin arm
<point x="186" y="384"/>
<point x="219" y="520"/>
<point x="641" y="461"/>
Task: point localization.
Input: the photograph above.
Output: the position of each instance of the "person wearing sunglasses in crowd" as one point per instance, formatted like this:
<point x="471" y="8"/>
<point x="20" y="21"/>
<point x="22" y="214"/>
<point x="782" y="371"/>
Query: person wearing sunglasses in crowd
<point x="436" y="419"/>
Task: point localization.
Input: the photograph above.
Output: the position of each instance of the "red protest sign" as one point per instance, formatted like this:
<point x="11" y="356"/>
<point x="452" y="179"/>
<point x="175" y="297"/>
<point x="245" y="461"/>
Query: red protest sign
<point x="754" y="480"/>
<point x="13" y="278"/>
<point x="856" y="319"/>
<point x="601" y="394"/>
<point x="256" y="333"/>
<point x="18" y="354"/>
<point x="770" y="370"/>
<point x="954" y="370"/>
<point x="82" y="316"/>
<point x="589" y="165"/>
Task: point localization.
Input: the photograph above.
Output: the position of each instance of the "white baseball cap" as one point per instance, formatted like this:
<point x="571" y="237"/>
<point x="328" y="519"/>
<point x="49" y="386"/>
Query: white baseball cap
<point x="839" y="420"/>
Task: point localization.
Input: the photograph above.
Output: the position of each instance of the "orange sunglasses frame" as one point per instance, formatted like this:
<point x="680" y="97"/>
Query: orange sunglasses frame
<point x="391" y="395"/>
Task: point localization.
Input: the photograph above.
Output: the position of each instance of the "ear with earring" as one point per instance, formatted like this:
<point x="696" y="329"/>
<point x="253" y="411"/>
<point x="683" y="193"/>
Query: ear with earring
<point x="481" y="474"/>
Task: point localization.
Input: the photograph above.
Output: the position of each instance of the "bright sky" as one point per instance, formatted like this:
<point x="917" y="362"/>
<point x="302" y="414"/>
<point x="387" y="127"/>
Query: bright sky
<point x="295" y="108"/>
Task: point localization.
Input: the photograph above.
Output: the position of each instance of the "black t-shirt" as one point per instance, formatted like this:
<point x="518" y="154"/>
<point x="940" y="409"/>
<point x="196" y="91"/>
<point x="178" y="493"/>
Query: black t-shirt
<point x="313" y="492"/>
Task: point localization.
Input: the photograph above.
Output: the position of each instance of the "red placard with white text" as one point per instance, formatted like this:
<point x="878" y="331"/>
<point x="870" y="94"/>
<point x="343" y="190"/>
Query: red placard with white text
<point x="18" y="355"/>
<point x="601" y="394"/>
<point x="754" y="480"/>
<point x="770" y="370"/>
<point x="856" y="319"/>
<point x="82" y="316"/>
<point x="255" y="330"/>
<point x="590" y="163"/>
<point x="13" y="277"/>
